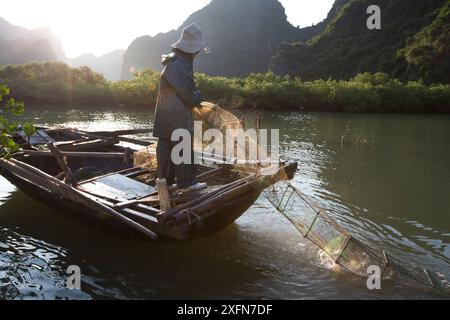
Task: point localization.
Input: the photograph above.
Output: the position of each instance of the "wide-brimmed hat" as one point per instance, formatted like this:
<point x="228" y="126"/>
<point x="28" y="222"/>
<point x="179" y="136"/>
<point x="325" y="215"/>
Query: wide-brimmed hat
<point x="191" y="40"/>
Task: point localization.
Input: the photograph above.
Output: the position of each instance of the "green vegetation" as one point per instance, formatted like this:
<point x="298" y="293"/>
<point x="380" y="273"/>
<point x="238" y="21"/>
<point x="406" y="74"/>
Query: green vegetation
<point x="55" y="84"/>
<point x="413" y="44"/>
<point x="8" y="127"/>
<point x="140" y="92"/>
<point x="428" y="53"/>
<point x="364" y="93"/>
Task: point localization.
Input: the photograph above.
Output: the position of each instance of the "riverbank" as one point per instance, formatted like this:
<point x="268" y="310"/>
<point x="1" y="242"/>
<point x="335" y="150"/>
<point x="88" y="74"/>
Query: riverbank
<point x="54" y="84"/>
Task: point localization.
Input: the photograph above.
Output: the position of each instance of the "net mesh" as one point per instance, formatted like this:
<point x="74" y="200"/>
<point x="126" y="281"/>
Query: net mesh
<point x="348" y="252"/>
<point x="309" y="219"/>
<point x="146" y="158"/>
<point x="238" y="147"/>
<point x="214" y="117"/>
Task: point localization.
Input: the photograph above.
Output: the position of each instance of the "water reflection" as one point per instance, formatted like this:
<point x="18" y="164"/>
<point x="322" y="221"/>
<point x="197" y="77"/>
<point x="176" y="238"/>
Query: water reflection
<point x="32" y="269"/>
<point x="388" y="166"/>
<point x="387" y="183"/>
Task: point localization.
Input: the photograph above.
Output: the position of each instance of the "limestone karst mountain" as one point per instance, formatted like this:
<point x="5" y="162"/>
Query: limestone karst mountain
<point x="243" y="36"/>
<point x="20" y="45"/>
<point x="109" y="64"/>
<point x="413" y="43"/>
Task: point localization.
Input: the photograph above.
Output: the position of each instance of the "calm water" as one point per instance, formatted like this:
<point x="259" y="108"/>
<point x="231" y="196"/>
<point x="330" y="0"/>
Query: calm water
<point x="389" y="184"/>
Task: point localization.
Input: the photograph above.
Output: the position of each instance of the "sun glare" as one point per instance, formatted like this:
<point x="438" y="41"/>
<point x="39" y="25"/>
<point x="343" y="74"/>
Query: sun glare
<point x="101" y="26"/>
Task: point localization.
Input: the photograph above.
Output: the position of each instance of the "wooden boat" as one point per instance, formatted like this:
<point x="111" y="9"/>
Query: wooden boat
<point x="94" y="177"/>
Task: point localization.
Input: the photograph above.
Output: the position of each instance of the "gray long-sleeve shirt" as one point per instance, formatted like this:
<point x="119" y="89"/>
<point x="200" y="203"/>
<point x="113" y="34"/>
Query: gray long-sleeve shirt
<point x="177" y="96"/>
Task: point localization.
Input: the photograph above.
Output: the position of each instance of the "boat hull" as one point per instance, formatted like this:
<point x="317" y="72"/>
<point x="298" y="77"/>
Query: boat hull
<point x="95" y="181"/>
<point x="70" y="209"/>
<point x="217" y="220"/>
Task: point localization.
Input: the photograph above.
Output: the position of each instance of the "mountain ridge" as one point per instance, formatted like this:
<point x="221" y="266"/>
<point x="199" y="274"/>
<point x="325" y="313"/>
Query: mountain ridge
<point x="346" y="47"/>
<point x="238" y="32"/>
<point x="21" y="45"/>
<point x="108" y="64"/>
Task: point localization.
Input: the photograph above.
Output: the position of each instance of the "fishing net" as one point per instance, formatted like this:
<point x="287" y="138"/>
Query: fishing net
<point x="235" y="146"/>
<point x="229" y="145"/>
<point x="146" y="158"/>
<point x="214" y="117"/>
<point x="309" y="219"/>
<point x="345" y="250"/>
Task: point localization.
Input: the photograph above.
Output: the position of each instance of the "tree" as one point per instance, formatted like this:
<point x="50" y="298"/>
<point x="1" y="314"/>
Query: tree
<point x="8" y="127"/>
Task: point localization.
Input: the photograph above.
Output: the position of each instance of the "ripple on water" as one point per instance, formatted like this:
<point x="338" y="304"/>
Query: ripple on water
<point x="6" y="190"/>
<point x="32" y="269"/>
<point x="261" y="256"/>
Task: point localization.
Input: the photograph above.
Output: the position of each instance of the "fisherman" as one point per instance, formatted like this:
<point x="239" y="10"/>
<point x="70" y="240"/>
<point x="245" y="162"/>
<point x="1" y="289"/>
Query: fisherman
<point x="177" y="96"/>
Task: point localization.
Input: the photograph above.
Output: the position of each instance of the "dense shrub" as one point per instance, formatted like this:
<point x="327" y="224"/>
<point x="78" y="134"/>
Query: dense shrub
<point x="139" y="92"/>
<point x="10" y="110"/>
<point x="364" y="93"/>
<point x="56" y="84"/>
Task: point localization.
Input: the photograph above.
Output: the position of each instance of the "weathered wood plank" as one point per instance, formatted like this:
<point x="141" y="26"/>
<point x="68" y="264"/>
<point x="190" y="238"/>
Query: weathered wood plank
<point x="39" y="137"/>
<point x="118" y="188"/>
<point x="125" y="172"/>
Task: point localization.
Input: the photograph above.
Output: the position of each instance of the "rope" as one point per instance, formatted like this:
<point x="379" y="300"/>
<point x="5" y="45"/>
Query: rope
<point x="189" y="214"/>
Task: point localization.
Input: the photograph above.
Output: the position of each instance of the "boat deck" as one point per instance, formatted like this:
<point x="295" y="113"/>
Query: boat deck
<point x="114" y="175"/>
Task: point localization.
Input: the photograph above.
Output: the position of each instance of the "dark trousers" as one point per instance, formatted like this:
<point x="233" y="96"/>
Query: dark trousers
<point x="185" y="174"/>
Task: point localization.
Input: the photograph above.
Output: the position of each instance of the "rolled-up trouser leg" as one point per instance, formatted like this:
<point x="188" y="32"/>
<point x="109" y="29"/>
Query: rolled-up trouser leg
<point x="166" y="168"/>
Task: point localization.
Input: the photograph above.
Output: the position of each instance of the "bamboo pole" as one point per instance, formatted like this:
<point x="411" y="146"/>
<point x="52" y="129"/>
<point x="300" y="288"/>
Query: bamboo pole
<point x="72" y="154"/>
<point x="210" y="174"/>
<point x="207" y="207"/>
<point x="136" y="141"/>
<point x="168" y="215"/>
<point x="163" y="193"/>
<point x="62" y="162"/>
<point x="58" y="130"/>
<point x="117" y="132"/>
<point x="86" y="144"/>
<point x="213" y="199"/>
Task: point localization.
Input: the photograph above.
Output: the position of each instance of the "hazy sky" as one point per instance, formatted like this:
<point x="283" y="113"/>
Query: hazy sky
<point x="100" y="26"/>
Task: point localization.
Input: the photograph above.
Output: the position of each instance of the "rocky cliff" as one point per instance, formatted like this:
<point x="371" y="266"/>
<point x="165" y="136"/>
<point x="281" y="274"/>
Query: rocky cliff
<point x="243" y="36"/>
<point x="413" y="43"/>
